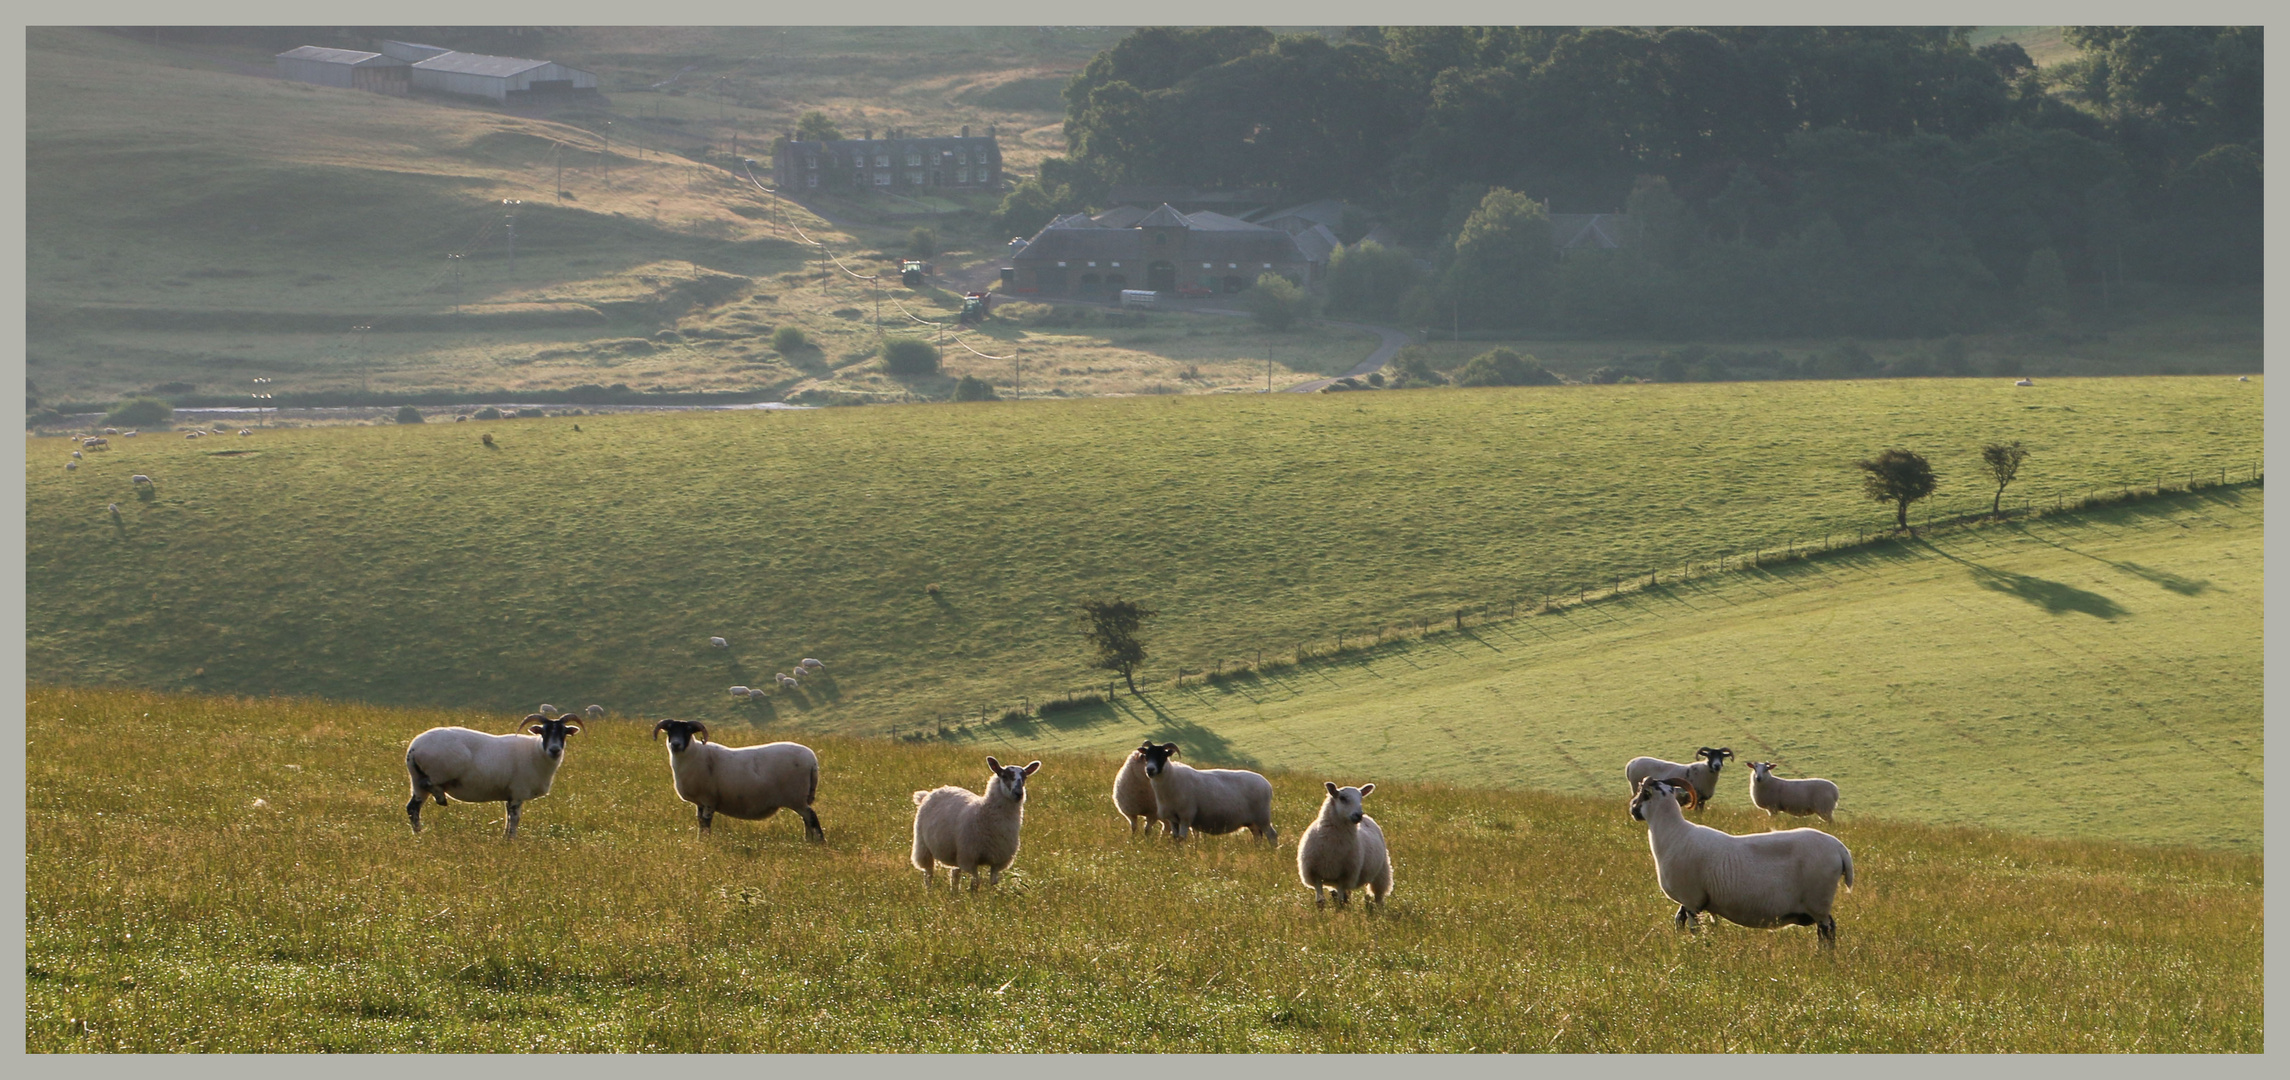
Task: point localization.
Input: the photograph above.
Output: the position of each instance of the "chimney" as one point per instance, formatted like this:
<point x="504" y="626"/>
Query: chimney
<point x="965" y="131"/>
<point x="867" y="134"/>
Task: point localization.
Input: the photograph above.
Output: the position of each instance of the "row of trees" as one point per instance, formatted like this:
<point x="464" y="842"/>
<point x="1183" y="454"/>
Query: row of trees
<point x="1778" y="180"/>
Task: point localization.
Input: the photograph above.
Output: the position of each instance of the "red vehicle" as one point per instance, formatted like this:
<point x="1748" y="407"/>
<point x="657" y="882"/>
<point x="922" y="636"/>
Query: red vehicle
<point x="1193" y="292"/>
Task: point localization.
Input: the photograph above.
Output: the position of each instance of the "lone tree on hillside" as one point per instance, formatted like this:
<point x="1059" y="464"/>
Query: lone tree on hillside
<point x="2003" y="461"/>
<point x="1110" y="627"/>
<point x="1899" y="477"/>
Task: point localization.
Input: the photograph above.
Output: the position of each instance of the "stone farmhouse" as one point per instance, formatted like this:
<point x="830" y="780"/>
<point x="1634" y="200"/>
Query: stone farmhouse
<point x="964" y="163"/>
<point x="1164" y="250"/>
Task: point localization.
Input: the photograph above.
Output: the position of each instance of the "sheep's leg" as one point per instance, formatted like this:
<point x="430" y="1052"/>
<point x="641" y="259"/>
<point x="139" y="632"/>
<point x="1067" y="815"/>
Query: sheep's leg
<point x="413" y="811"/>
<point x="995" y="876"/>
<point x="1319" y="896"/>
<point x="973" y="879"/>
<point x="515" y="808"/>
<point x="707" y="819"/>
<point x="1689" y="921"/>
<point x="811" y="829"/>
<point x="1343" y="896"/>
<point x="1827" y="928"/>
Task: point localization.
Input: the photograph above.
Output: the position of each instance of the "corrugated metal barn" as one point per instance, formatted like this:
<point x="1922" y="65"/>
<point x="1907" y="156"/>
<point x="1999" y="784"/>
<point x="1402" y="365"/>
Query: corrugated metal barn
<point x="346" y="68"/>
<point x="496" y="77"/>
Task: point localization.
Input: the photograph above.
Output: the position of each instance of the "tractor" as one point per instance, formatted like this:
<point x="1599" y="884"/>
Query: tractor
<point x="910" y="273"/>
<point x="975" y="307"/>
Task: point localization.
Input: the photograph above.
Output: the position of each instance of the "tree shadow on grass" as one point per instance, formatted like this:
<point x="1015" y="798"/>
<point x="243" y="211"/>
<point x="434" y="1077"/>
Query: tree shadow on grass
<point x="2055" y="597"/>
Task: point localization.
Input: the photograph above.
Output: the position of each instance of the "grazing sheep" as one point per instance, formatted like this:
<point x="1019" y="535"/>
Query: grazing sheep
<point x="741" y="691"/>
<point x="115" y="509"/>
<point x="138" y="478"/>
<point x="786" y="682"/>
<point x="111" y="431"/>
<point x="194" y="435"/>
<point x="1775" y="795"/>
<point x="808" y="664"/>
<point x="2242" y="378"/>
<point x="76" y="455"/>
<point x="967" y="831"/>
<point x="549" y="711"/>
<point x="475" y="767"/>
<point x="1763" y="880"/>
<point x="2025" y="382"/>
<point x="1214" y="801"/>
<point x="594" y="712"/>
<point x="70" y="465"/>
<point x="1133" y="793"/>
<point x="243" y="432"/>
<point x="129" y="434"/>
<point x="1700" y="777"/>
<point x="748" y="782"/>
<point x="94" y="443"/>
<point x="1343" y="849"/>
<point x="719" y="643"/>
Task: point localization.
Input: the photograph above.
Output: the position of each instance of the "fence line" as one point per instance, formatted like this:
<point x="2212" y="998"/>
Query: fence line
<point x="1544" y="600"/>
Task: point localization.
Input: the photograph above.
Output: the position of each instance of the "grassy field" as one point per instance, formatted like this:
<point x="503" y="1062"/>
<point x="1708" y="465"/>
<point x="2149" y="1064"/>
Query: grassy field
<point x="414" y="566"/>
<point x="1952" y="680"/>
<point x="255" y="889"/>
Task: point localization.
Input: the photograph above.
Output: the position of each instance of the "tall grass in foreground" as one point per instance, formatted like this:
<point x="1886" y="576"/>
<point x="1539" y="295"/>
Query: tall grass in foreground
<point x="169" y="909"/>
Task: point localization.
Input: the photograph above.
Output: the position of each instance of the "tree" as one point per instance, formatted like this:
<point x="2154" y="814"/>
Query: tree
<point x="909" y="357"/>
<point x="814" y="126"/>
<point x="1111" y="628"/>
<point x="1502" y="367"/>
<point x="1277" y="302"/>
<point x="973" y="388"/>
<point x="2043" y="285"/>
<point x="922" y="242"/>
<point x="1503" y="261"/>
<point x="1031" y="205"/>
<point x="140" y="412"/>
<point x="2003" y="461"/>
<point x="407" y="414"/>
<point x="1368" y="279"/>
<point x="1900" y="477"/>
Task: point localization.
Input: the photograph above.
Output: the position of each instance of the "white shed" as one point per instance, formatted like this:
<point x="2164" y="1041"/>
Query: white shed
<point x="496" y="77"/>
<point x="346" y="68"/>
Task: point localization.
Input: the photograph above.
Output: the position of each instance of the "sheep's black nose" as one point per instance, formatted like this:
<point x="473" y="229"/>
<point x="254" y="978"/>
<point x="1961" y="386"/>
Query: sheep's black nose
<point x="1356" y="818"/>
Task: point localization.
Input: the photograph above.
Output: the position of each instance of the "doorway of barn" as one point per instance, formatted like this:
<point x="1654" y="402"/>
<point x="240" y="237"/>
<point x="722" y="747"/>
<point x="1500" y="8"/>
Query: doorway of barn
<point x="1161" y="276"/>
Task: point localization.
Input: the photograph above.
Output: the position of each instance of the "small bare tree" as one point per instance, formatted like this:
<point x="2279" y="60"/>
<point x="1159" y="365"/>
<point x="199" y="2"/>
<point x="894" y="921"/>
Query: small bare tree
<point x="2003" y="461"/>
<point x="1899" y="477"/>
<point x="1111" y="627"/>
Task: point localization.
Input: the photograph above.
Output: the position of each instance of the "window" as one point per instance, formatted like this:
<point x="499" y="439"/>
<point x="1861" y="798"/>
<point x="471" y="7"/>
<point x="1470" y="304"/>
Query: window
<point x="882" y="179"/>
<point x="913" y="159"/>
<point x="883" y="160"/>
<point x="914" y="177"/>
<point x="962" y="175"/>
<point x="962" y="157"/>
<point x="814" y="180"/>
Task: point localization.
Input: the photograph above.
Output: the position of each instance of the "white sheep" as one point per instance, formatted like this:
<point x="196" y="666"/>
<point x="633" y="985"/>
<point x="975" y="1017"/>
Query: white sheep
<point x="138" y="478"/>
<point x="1343" y="849"/>
<point x="1700" y="777"/>
<point x="967" y="831"/>
<point x="2025" y="382"/>
<point x="1763" y="880"/>
<point x="70" y="465"/>
<point x="748" y="782"/>
<point x="549" y="710"/>
<point x="594" y="712"/>
<point x="1774" y="795"/>
<point x="1133" y="793"/>
<point x="719" y="643"/>
<point x="786" y="682"/>
<point x="741" y="691"/>
<point x="111" y="431"/>
<point x="475" y="767"/>
<point x="1214" y="801"/>
<point x="808" y="664"/>
<point x="76" y="455"/>
<point x="129" y="434"/>
<point x="244" y="432"/>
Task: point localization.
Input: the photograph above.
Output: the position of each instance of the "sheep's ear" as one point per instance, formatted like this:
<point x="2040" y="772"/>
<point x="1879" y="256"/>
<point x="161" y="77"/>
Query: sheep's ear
<point x="1029" y="770"/>
<point x="535" y="729"/>
<point x="572" y="729"/>
<point x="1367" y="790"/>
<point x="1331" y="786"/>
<point x="993" y="764"/>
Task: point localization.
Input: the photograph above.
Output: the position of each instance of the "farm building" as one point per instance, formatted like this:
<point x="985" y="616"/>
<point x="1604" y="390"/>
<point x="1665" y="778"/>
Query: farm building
<point x="1573" y="232"/>
<point x="501" y="78"/>
<point x="347" y="68"/>
<point x="962" y="162"/>
<point x="1163" y="250"/>
<point x="410" y="52"/>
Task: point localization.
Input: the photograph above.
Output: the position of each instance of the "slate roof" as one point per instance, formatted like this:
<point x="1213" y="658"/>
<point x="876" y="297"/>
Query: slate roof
<point x="1166" y="217"/>
<point x="1317" y="243"/>
<point x="1120" y="217"/>
<point x="352" y="57"/>
<point x="461" y="63"/>
<point x="1587" y="230"/>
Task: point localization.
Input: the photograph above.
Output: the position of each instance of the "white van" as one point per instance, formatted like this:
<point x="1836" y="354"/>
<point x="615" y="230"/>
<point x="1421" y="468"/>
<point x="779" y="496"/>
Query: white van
<point x="1139" y="298"/>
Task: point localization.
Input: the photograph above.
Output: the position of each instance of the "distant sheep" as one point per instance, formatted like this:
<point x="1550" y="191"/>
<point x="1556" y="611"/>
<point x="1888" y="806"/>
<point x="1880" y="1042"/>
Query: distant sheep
<point x="2025" y="382"/>
<point x="749" y="782"/>
<point x="76" y="455"/>
<point x="1763" y="880"/>
<point x="741" y="691"/>
<point x="1213" y="801"/>
<point x="475" y="767"/>
<point x="1775" y="796"/>
<point x="1343" y="849"/>
<point x="594" y="712"/>
<point x="1699" y="779"/>
<point x="94" y="443"/>
<point x="549" y="711"/>
<point x="111" y="431"/>
<point x="1133" y="793"/>
<point x="786" y="682"/>
<point x="967" y="831"/>
<point x="138" y="478"/>
<point x="70" y="465"/>
<point x="129" y="434"/>
<point x="719" y="643"/>
<point x="245" y="432"/>
<point x="808" y="664"/>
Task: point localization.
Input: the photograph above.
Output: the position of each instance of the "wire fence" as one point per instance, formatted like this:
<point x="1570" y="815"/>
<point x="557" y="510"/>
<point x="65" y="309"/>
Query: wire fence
<point x="1546" y="599"/>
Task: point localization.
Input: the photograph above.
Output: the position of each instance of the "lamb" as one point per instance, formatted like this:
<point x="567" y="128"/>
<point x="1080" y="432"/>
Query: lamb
<point x="1343" y="849"/>
<point x="719" y="643"/>
<point x="1214" y="801"/>
<point x="808" y="664"/>
<point x="1774" y="795"/>
<point x="1763" y="880"/>
<point x="475" y="767"/>
<point x="1133" y="793"/>
<point x="748" y="782"/>
<point x="549" y="711"/>
<point x="967" y="831"/>
<point x="1700" y="777"/>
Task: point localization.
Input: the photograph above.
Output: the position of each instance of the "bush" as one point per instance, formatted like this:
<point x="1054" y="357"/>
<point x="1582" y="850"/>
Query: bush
<point x="909" y="357"/>
<point x="788" y="340"/>
<point x="922" y="242"/>
<point x="1607" y="375"/>
<point x="973" y="388"/>
<point x="1411" y="368"/>
<point x="1370" y="280"/>
<point x="407" y="414"/>
<point x="44" y="418"/>
<point x="488" y="413"/>
<point x="140" y="412"/>
<point x="1502" y="367"/>
<point x="1278" y="302"/>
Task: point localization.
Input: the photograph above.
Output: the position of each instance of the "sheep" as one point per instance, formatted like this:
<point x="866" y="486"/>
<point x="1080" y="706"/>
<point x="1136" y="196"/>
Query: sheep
<point x="76" y="455"/>
<point x="2025" y="382"/>
<point x="1343" y="849"/>
<point x="94" y="443"/>
<point x="1701" y="777"/>
<point x="967" y="831"/>
<point x="1214" y="801"/>
<point x="138" y="478"/>
<point x="594" y="712"/>
<point x="111" y="431"/>
<point x="785" y="682"/>
<point x="808" y="664"/>
<point x="244" y="432"/>
<point x="748" y="782"/>
<point x="1762" y="880"/>
<point x="1133" y="793"/>
<point x="741" y="691"/>
<point x="1774" y="795"/>
<point x="549" y="711"/>
<point x="129" y="434"/>
<point x="475" y="767"/>
<point x="719" y="643"/>
<point x="70" y="465"/>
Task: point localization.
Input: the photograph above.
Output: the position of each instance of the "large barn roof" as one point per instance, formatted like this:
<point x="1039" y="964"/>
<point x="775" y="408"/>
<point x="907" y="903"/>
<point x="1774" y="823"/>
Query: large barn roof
<point x="479" y="64"/>
<point x="321" y="54"/>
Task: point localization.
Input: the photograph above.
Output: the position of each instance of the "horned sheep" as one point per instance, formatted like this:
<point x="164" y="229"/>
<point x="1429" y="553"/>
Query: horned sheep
<point x="1133" y="793"/>
<point x="1343" y="849"/>
<point x="1762" y="880"/>
<point x="747" y="782"/>
<point x="966" y="831"/>
<point x="1774" y="795"/>
<point x="473" y="766"/>
<point x="1700" y="778"/>
<point x="1213" y="801"/>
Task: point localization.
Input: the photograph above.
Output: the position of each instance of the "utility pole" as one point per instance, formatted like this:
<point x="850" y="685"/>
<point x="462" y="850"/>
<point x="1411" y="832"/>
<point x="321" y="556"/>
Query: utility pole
<point x="511" y="205"/>
<point x="455" y="262"/>
<point x="1017" y="375"/>
<point x="559" y="155"/>
<point x="608" y="153"/>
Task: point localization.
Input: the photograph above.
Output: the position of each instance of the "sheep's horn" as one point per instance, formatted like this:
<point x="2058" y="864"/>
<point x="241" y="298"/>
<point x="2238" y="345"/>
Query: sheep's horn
<point x="657" y="728"/>
<point x="702" y="732"/>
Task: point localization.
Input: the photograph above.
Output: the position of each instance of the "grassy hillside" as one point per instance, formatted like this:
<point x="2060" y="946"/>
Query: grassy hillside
<point x="1954" y="680"/>
<point x="415" y="566"/>
<point x="255" y="889"/>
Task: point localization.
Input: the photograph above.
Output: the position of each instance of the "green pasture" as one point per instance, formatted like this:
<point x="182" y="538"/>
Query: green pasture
<point x="255" y="889"/>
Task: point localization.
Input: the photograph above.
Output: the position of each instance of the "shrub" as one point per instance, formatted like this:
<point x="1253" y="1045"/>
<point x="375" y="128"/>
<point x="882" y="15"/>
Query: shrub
<point x="1278" y="302"/>
<point x="407" y="414"/>
<point x="922" y="242"/>
<point x="909" y="357"/>
<point x="1411" y="369"/>
<point x="43" y="418"/>
<point x="788" y="340"/>
<point x="1502" y="367"/>
<point x="1370" y="280"/>
<point x="973" y="388"/>
<point x="488" y="413"/>
<point x="1375" y="378"/>
<point x="140" y="412"/>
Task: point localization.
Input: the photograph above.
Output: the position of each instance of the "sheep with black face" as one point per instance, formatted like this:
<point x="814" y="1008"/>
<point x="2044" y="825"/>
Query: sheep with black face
<point x="749" y="782"/>
<point x="1699" y="780"/>
<point x="473" y="766"/>
<point x="1214" y="801"/>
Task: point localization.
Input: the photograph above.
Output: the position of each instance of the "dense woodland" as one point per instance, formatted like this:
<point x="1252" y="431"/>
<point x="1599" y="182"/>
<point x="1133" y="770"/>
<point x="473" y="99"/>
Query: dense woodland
<point x="1798" y="181"/>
